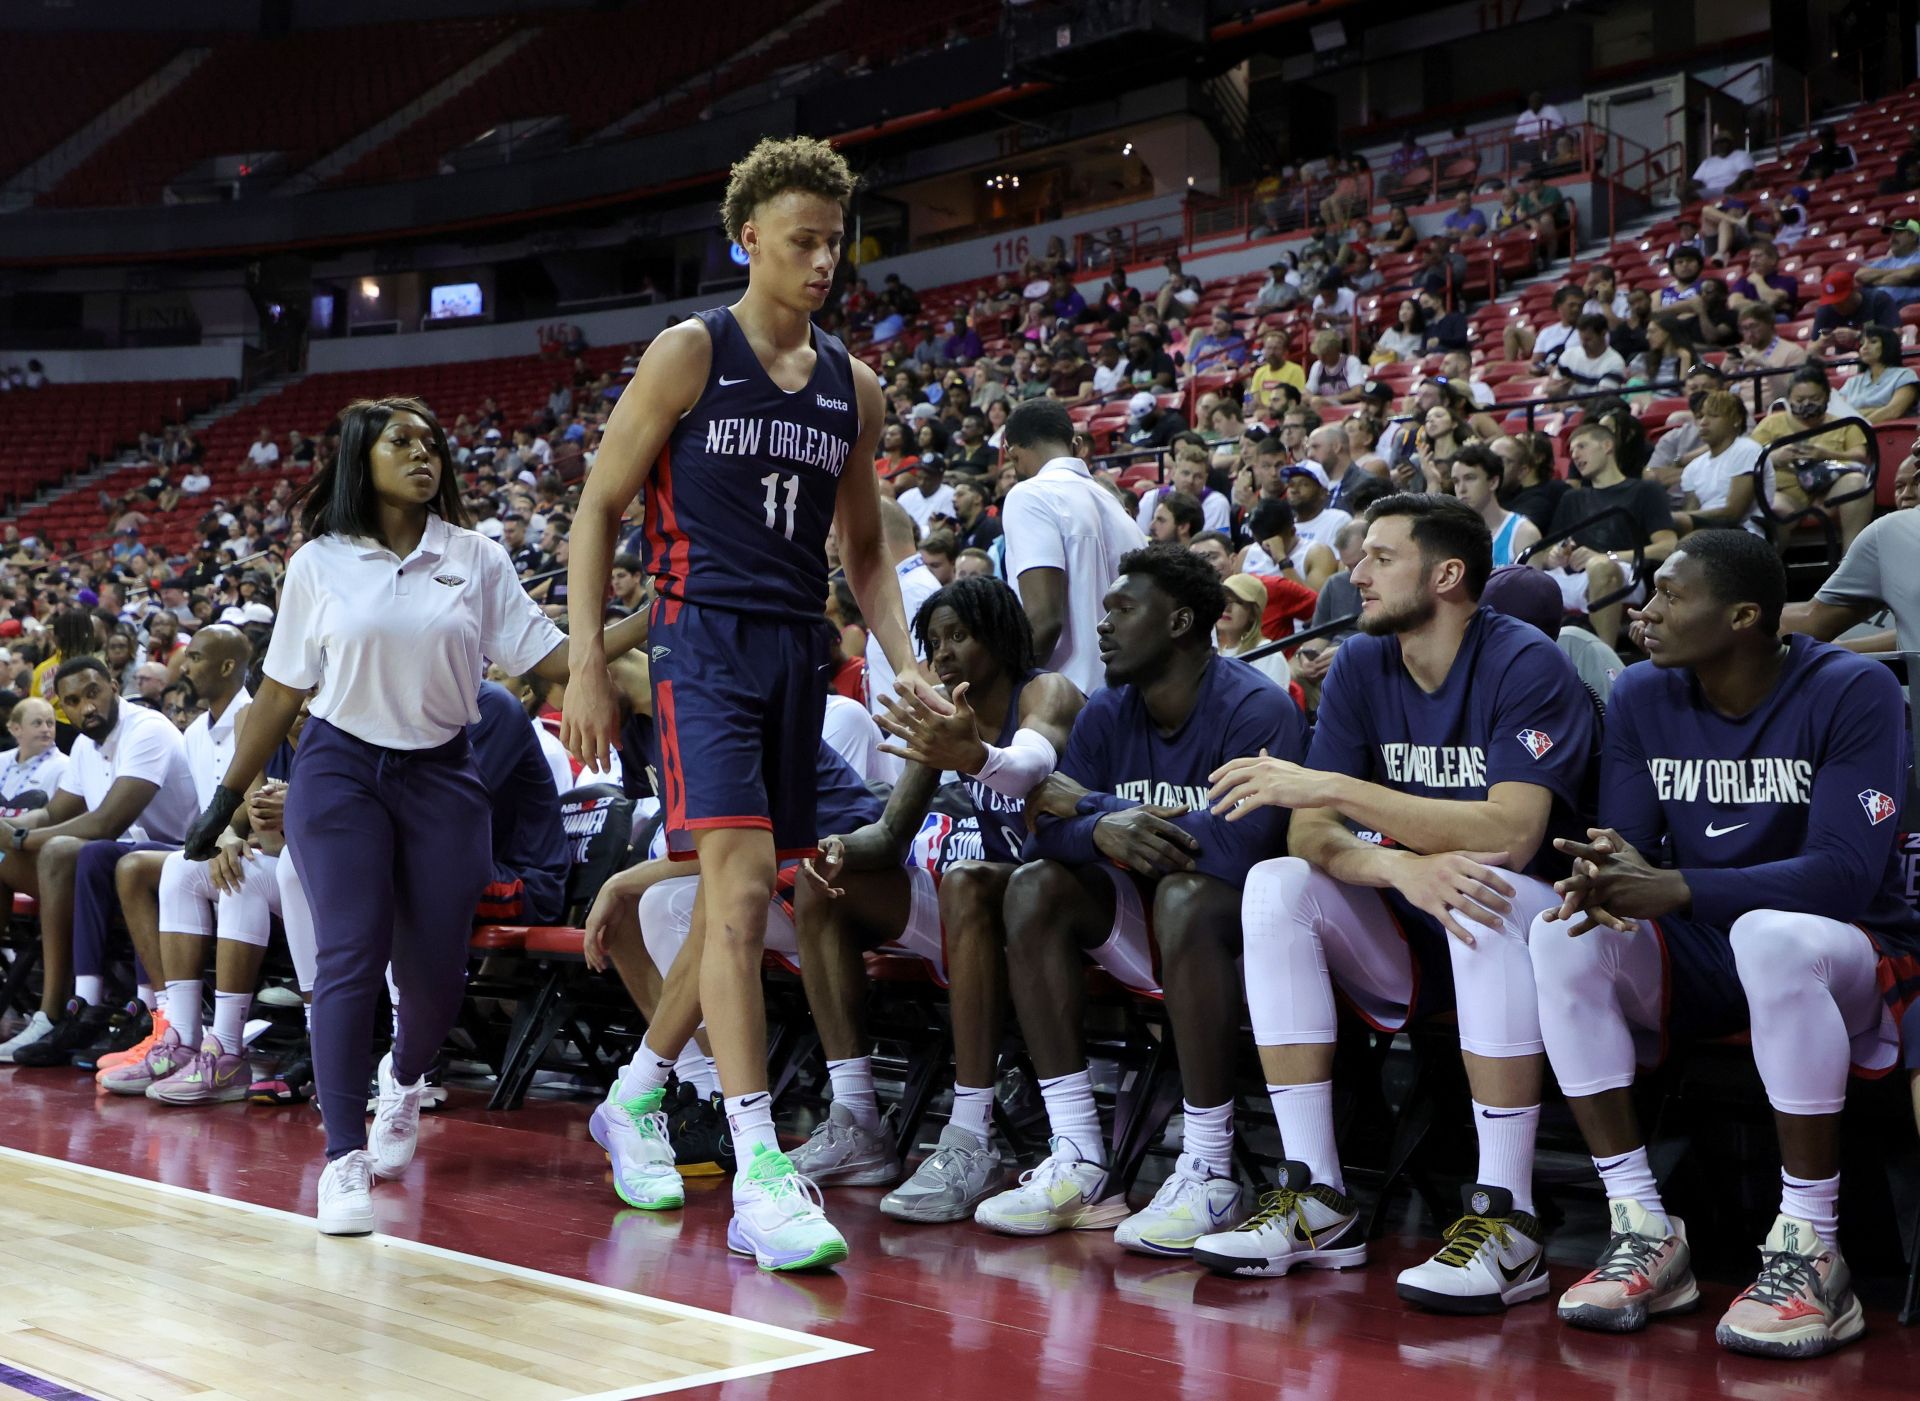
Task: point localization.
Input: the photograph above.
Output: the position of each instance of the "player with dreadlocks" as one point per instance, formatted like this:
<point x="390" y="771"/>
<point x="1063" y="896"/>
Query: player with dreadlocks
<point x="931" y="882"/>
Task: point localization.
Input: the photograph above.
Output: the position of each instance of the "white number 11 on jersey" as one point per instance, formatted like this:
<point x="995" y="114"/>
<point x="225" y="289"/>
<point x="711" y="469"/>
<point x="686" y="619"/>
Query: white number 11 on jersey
<point x="772" y="483"/>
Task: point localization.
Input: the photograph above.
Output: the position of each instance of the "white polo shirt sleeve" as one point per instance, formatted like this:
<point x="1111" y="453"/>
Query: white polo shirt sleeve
<point x="147" y="752"/>
<point x="1034" y="540"/>
<point x="294" y="656"/>
<point x="513" y="630"/>
<point x="70" y="781"/>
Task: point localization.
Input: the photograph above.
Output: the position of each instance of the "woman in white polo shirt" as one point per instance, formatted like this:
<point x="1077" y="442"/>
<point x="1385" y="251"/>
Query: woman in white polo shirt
<point x="387" y="615"/>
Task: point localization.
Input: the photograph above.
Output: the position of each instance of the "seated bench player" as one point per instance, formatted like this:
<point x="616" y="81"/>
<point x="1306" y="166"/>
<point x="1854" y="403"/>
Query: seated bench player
<point x="643" y="920"/>
<point x="1771" y="772"/>
<point x="1452" y="742"/>
<point x="1129" y="868"/>
<point x="920" y="879"/>
<point x="127" y="782"/>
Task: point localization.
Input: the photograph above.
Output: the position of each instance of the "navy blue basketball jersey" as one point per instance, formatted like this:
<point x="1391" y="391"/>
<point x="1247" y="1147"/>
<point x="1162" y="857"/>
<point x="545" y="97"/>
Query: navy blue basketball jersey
<point x="1120" y="756"/>
<point x="846" y="803"/>
<point x="1794" y="806"/>
<point x="1003" y="820"/>
<point x="948" y="835"/>
<point x="738" y="506"/>
<point x="1511" y="710"/>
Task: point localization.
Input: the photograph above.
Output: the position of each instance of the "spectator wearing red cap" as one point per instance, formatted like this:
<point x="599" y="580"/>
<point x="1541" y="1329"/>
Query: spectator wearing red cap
<point x="1845" y="309"/>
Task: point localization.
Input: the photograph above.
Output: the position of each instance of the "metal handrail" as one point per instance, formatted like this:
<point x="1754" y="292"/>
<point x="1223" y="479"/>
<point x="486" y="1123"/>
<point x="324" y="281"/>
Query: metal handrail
<point x="1821" y="511"/>
<point x="1634" y="575"/>
<point x="1313" y="634"/>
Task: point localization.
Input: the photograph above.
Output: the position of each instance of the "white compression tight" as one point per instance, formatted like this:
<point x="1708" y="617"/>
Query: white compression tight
<point x="1306" y="932"/>
<point x="1810" y="982"/>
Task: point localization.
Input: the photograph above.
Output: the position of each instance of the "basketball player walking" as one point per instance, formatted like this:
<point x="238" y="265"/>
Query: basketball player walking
<point x="752" y="433"/>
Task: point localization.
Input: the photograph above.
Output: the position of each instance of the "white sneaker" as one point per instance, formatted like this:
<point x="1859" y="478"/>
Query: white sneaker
<point x="1494" y="1256"/>
<point x="38" y="1029"/>
<point x="1302" y="1224"/>
<point x="777" y="1217"/>
<point x="843" y="1154"/>
<point x="396" y="1122"/>
<point x="1190" y="1204"/>
<point x="1063" y="1194"/>
<point x="633" y="1133"/>
<point x="950" y="1182"/>
<point x="346" y="1195"/>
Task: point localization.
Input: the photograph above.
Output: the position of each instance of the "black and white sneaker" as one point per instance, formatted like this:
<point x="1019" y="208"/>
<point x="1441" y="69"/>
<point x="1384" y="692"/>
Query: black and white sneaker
<point x="1493" y="1257"/>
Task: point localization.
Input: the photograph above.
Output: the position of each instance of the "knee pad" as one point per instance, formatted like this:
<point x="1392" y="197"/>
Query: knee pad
<point x="186" y="896"/>
<point x="666" y="919"/>
<point x="1272" y="893"/>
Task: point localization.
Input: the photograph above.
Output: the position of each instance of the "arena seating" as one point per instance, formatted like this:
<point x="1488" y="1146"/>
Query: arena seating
<point x="236" y="102"/>
<point x="57" y="83"/>
<point x="52" y="432"/>
<point x="559" y="74"/>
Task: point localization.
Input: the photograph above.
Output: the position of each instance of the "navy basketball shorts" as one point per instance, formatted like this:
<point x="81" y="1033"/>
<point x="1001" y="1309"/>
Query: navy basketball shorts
<point x="738" y="706"/>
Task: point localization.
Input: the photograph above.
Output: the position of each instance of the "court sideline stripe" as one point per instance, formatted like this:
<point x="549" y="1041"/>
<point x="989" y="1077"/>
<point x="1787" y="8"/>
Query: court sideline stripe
<point x="823" y="1349"/>
<point x="33" y="1384"/>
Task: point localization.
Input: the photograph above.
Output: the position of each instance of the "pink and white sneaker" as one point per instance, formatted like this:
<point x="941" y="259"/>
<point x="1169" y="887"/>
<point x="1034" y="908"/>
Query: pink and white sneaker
<point x="1802" y="1305"/>
<point x="1645" y="1270"/>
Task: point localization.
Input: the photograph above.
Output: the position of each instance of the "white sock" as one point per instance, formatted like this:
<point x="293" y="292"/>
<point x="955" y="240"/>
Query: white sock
<point x="89" y="988"/>
<point x="646" y="1071"/>
<point x="1304" y="1114"/>
<point x="689" y="1063"/>
<point x="973" y="1110"/>
<point x="145" y="993"/>
<point x="1073" y="1116"/>
<point x="707" y="1077"/>
<point x="1506" y="1149"/>
<point x="1817" y="1202"/>
<point x="1209" y="1136"/>
<point x="1629" y="1177"/>
<point x="853" y="1090"/>
<point x="183" y="1010"/>
<point x="230" y="1019"/>
<point x="750" y="1121"/>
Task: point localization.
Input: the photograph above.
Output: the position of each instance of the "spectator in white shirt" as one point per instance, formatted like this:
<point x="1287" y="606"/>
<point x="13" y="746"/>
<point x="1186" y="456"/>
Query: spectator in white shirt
<point x="1335" y="376"/>
<point x="1110" y="370"/>
<point x="1718" y="172"/>
<point x="1188" y="474"/>
<point x="1544" y="345"/>
<point x="1540" y="119"/>
<point x="197" y="481"/>
<point x="31" y="771"/>
<point x="1309" y="491"/>
<point x="1065" y="534"/>
<point x="1589" y="363"/>
<point x="263" y="452"/>
<point x="1718" y="484"/>
<point x="931" y="497"/>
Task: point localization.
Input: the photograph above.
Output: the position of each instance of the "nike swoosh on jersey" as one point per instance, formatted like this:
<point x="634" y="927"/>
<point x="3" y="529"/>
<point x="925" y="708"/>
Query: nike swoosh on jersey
<point x="1713" y="831"/>
<point x="726" y="383"/>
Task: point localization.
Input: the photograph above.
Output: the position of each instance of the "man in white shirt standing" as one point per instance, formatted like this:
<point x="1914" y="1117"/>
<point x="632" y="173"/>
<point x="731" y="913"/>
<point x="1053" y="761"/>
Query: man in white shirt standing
<point x="930" y="497"/>
<point x="917" y="584"/>
<point x="127" y="782"/>
<point x="1065" y="535"/>
<point x="234" y="896"/>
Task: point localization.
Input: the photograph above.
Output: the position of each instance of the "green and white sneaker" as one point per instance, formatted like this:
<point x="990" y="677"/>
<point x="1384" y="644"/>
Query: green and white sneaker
<point x="634" y="1134"/>
<point x="1190" y="1204"/>
<point x="1064" y="1193"/>
<point x="777" y="1216"/>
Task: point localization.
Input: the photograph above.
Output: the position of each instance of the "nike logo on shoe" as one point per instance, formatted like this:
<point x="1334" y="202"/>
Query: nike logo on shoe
<point x="1513" y="1275"/>
<point x="726" y="383"/>
<point x="1713" y="831"/>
